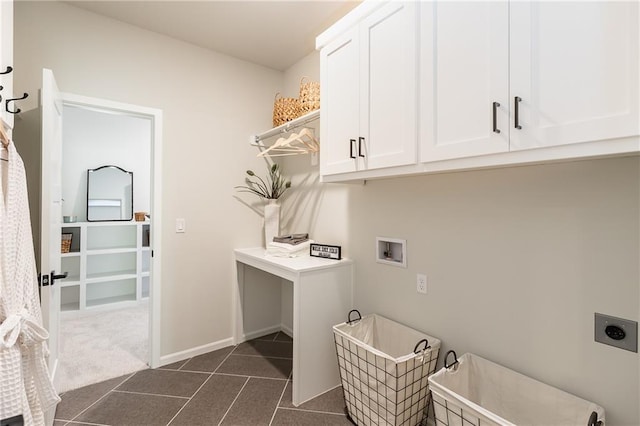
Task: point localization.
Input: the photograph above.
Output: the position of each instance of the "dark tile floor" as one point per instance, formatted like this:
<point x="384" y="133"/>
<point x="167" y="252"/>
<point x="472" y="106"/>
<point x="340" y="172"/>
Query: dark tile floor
<point x="249" y="384"/>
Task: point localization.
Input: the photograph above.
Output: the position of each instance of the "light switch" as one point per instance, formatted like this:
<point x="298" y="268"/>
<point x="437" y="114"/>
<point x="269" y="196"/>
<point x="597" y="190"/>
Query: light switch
<point x="180" y="226"/>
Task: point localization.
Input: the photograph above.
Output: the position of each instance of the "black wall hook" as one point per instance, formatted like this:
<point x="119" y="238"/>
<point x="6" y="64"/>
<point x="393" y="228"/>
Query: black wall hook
<point x="17" y="110"/>
<point x="7" y="71"/>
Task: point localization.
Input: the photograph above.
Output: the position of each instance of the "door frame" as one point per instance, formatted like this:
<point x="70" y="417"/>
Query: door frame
<point x="155" y="115"/>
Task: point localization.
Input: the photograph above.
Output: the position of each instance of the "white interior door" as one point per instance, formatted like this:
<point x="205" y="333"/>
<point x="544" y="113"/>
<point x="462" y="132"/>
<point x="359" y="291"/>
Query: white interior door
<point x="51" y="212"/>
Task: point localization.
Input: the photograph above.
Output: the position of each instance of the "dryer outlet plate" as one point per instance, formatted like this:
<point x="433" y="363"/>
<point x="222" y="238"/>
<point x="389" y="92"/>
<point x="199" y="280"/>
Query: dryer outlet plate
<point x="624" y="328"/>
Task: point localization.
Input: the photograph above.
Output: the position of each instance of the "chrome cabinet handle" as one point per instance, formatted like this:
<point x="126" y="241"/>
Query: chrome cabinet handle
<point x="495" y="118"/>
<point x="516" y="102"/>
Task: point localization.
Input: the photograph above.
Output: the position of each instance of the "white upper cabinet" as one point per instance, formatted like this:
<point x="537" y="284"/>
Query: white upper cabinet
<point x="339" y="116"/>
<point x="388" y="98"/>
<point x="574" y="65"/>
<point x="6" y="59"/>
<point x="369" y="100"/>
<point x="464" y="78"/>
<point x="511" y="76"/>
<point x="431" y="86"/>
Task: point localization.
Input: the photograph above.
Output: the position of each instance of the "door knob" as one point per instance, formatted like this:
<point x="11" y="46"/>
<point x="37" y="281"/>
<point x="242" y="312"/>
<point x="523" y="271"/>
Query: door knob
<point x="50" y="280"/>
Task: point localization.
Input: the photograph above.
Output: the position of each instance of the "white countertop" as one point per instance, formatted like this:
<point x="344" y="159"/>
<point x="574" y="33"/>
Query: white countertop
<point x="256" y="256"/>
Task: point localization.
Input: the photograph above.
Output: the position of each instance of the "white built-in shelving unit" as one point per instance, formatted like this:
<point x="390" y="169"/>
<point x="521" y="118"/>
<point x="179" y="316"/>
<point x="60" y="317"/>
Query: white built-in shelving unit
<point x="108" y="264"/>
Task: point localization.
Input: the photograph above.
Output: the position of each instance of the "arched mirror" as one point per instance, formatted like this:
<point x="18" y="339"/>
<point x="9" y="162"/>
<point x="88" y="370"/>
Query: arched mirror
<point x="109" y="194"/>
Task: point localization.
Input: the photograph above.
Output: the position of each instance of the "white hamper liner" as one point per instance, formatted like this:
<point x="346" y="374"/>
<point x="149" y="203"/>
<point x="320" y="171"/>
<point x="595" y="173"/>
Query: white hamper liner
<point x="474" y="391"/>
<point x="384" y="368"/>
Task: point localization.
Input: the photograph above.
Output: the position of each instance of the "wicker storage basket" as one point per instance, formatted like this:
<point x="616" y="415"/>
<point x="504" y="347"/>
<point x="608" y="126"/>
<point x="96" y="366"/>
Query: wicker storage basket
<point x="384" y="382"/>
<point x="475" y="391"/>
<point x="66" y="243"/>
<point x="309" y="95"/>
<point x="285" y="109"/>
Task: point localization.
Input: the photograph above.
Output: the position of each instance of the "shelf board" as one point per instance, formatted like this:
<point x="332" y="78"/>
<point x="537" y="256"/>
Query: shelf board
<point x="287" y="127"/>
<point x="70" y="254"/>
<point x="111" y="276"/>
<point x="70" y="281"/>
<point x="103" y="224"/>
<point x="114" y="250"/>
<point x="114" y="299"/>
<point x="73" y="306"/>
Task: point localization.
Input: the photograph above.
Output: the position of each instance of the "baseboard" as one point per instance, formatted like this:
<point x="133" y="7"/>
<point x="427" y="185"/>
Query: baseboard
<point x="260" y="333"/>
<point x="286" y="330"/>
<point x="198" y="350"/>
<point x="214" y="346"/>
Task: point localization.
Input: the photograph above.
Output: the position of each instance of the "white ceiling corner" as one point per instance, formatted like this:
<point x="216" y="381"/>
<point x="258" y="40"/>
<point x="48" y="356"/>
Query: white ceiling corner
<point x="275" y="34"/>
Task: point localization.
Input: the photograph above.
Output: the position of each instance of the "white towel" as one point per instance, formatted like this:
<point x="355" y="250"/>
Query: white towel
<point x="288" y="250"/>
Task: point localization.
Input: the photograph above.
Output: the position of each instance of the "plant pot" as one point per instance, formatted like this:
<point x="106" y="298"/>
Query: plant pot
<point x="271" y="220"/>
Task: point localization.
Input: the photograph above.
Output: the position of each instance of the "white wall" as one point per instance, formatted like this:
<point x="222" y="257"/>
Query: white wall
<point x="92" y="139"/>
<point x="211" y="104"/>
<point x="517" y="259"/>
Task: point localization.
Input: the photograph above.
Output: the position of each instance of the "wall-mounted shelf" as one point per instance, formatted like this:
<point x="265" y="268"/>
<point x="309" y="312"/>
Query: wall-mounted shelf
<point x="285" y="128"/>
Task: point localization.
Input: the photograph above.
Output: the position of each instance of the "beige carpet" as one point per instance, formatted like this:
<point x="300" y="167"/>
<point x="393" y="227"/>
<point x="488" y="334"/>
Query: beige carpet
<point x="100" y="345"/>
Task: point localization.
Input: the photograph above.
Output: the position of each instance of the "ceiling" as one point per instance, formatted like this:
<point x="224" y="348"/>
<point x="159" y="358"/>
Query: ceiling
<point x="275" y="34"/>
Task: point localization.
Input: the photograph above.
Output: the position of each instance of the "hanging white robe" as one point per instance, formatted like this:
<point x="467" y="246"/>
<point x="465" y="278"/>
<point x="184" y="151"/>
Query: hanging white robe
<point x="25" y="385"/>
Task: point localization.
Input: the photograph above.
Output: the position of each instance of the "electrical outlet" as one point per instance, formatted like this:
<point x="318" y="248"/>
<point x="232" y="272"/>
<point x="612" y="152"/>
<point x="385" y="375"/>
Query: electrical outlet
<point x="421" y="284"/>
<point x="618" y="332"/>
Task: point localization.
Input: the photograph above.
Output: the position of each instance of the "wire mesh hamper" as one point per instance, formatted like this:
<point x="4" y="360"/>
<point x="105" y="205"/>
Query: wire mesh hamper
<point x="472" y="391"/>
<point x="384" y="367"/>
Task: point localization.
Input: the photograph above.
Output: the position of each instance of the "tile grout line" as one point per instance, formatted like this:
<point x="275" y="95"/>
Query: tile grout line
<point x="234" y="401"/>
<point x="241" y="389"/>
<point x="224" y="360"/>
<point x="312" y="411"/>
<point x="189" y="400"/>
<point x="273" y="416"/>
<point x="149" y="394"/>
<point x="99" y="399"/>
<point x="254" y="377"/>
<point x="186" y="371"/>
<point x="201" y="386"/>
<point x="262" y="356"/>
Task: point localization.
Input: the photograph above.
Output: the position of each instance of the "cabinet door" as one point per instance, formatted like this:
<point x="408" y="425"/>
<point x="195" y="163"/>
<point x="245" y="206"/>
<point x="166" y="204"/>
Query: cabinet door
<point x="464" y="68"/>
<point x="575" y="67"/>
<point x="6" y="59"/>
<point x="339" y="69"/>
<point x="388" y="99"/>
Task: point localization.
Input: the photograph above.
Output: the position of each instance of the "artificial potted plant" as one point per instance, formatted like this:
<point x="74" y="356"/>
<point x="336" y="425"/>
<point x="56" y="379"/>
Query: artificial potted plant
<point x="270" y="190"/>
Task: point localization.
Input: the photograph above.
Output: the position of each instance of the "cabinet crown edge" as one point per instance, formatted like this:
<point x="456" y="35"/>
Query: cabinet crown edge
<point x="348" y="21"/>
